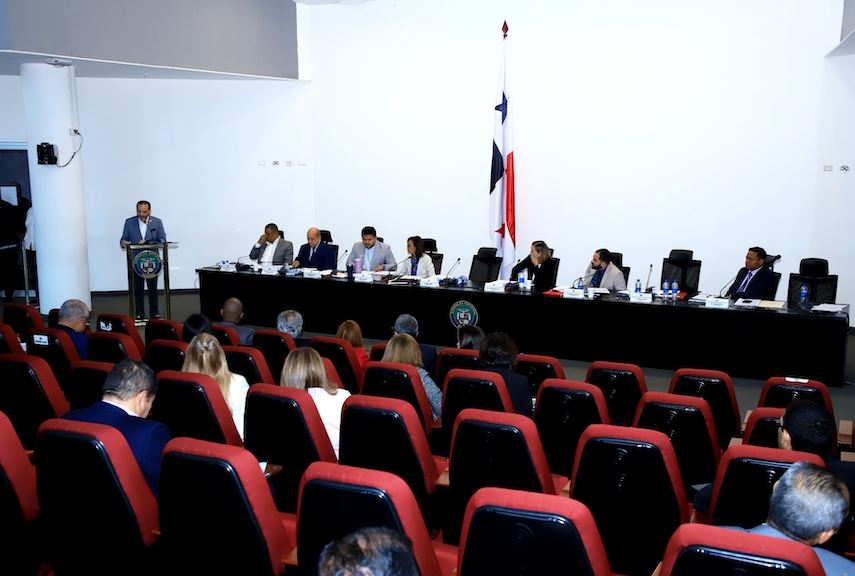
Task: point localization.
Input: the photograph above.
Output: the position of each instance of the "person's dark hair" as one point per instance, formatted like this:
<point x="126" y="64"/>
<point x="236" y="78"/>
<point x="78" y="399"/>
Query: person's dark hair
<point x="605" y="255"/>
<point x="807" y="501"/>
<point x="272" y="227"/>
<point x="418" y="244"/>
<point x="146" y="202"/>
<point x="759" y="251"/>
<point x="196" y="324"/>
<point x="542" y="250"/>
<point x="128" y="378"/>
<point x="811" y="427"/>
<point x="498" y="349"/>
<point x="369" y="552"/>
<point x="469" y="337"/>
<point x="369" y="231"/>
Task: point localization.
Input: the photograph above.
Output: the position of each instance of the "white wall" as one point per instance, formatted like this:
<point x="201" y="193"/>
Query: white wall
<point x="640" y="126"/>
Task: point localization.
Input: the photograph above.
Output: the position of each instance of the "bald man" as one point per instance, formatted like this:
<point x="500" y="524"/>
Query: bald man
<point x="232" y="313"/>
<point x="314" y="253"/>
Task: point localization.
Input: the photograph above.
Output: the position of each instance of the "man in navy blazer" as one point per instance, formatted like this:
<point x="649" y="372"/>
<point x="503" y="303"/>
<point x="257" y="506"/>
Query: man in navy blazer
<point x="128" y="394"/>
<point x="144" y="229"/>
<point x="315" y="254"/>
<point x="754" y="280"/>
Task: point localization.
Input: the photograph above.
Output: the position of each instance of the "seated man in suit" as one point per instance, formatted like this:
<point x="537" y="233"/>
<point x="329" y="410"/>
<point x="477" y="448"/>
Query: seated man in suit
<point x="232" y="313"/>
<point x="603" y="273"/>
<point x="291" y="322"/>
<point x="314" y="253"/>
<point x="376" y="256"/>
<point x="128" y="394"/>
<point x="754" y="280"/>
<point x="271" y="248"/>
<point x="73" y="320"/>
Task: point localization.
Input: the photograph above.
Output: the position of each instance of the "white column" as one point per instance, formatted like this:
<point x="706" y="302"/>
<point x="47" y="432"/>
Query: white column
<point x="50" y="107"/>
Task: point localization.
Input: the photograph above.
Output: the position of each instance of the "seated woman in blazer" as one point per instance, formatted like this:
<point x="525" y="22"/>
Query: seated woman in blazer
<point x="418" y="264"/>
<point x="540" y="267"/>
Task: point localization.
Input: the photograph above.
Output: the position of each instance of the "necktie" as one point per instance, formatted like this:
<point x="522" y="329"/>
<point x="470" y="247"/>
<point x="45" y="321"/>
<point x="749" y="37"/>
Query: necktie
<point x="311" y="254"/>
<point x="745" y="282"/>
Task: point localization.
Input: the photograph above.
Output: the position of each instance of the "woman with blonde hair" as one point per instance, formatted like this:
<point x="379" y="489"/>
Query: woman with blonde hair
<point x="304" y="370"/>
<point x="206" y="356"/>
<point x="404" y="349"/>
<point x="350" y="331"/>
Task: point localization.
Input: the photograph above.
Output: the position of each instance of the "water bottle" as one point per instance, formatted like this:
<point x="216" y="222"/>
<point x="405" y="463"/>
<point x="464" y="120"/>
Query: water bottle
<point x="675" y="287"/>
<point x="803" y="293"/>
<point x="521" y="277"/>
<point x="638" y="285"/>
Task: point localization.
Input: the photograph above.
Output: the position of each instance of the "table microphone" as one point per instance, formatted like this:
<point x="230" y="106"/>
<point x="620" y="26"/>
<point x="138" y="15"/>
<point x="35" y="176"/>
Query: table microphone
<point x="343" y="254"/>
<point x="452" y="269"/>
<point x="726" y="284"/>
<point x="647" y="287"/>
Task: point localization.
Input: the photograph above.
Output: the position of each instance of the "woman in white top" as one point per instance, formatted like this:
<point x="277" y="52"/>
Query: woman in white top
<point x="419" y="263"/>
<point x="304" y="370"/>
<point x="206" y="356"/>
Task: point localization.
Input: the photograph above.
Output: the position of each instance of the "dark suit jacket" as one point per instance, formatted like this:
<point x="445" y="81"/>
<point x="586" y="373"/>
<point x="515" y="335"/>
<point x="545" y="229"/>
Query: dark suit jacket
<point x="244" y="332"/>
<point x="80" y="340"/>
<point x="147" y="438"/>
<point x="429" y="359"/>
<point x="155" y="233"/>
<point x="542" y="278"/>
<point x="324" y="258"/>
<point x="758" y="287"/>
<point x="284" y="253"/>
<point x="518" y="387"/>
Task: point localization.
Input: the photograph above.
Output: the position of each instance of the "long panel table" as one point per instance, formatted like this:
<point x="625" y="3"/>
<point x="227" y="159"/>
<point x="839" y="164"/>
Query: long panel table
<point x="747" y="343"/>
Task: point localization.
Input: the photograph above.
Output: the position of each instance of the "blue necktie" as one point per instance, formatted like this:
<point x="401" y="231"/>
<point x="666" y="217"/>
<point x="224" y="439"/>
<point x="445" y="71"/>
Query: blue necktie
<point x="745" y="282"/>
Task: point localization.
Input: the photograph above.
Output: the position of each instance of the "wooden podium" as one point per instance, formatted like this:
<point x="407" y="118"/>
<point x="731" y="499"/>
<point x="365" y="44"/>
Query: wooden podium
<point x="149" y="261"/>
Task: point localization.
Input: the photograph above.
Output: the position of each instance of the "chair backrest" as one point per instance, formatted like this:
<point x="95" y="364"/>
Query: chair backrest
<point x="159" y="329"/>
<point x="437" y="258"/>
<point x="450" y="358"/>
<point x="396" y="380"/>
<point x="91" y="490"/>
<point x="492" y="449"/>
<point x="698" y="549"/>
<point x="471" y="389"/>
<point x="813" y="267"/>
<point x="371" y="421"/>
<point x="538" y="368"/>
<point x="22" y="318"/>
<point x="744" y="481"/>
<point x="326" y="236"/>
<point x="779" y="391"/>
<point x="563" y="410"/>
<point x="85" y="383"/>
<point x="821" y="289"/>
<point x="430" y="244"/>
<point x="19" y="505"/>
<point x="165" y="355"/>
<point x="192" y="405"/>
<point x="9" y="343"/>
<point x="227" y="335"/>
<point x="56" y="348"/>
<point x="681" y="267"/>
<point x="336" y="500"/>
<point x="688" y="422"/>
<point x="250" y="363"/>
<point x="630" y="481"/>
<point x="763" y="427"/>
<point x="332" y="373"/>
<point x="122" y="324"/>
<point x="509" y="532"/>
<point x="622" y="385"/>
<point x="377" y="351"/>
<point x="343" y="357"/>
<point x="772" y="293"/>
<point x="485" y="268"/>
<point x="214" y="500"/>
<point x="716" y="388"/>
<point x="283" y="427"/>
<point x="29" y="395"/>
<point x="275" y="346"/>
<point x="112" y="347"/>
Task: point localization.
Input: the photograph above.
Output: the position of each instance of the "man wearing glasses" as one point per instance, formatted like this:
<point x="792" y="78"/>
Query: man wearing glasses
<point x="73" y="320"/>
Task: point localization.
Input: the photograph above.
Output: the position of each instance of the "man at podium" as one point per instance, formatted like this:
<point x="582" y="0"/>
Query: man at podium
<point x="144" y="229"/>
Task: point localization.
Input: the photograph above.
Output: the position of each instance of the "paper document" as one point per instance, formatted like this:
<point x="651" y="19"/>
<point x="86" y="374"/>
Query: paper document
<point x="829" y="307"/>
<point x="771" y="304"/>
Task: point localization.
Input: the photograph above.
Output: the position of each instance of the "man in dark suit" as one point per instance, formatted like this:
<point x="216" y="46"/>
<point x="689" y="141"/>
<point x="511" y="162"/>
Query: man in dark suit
<point x="144" y="229"/>
<point x="232" y="313"/>
<point x="271" y="248"/>
<point x="73" y="320"/>
<point x="315" y="254"/>
<point x="128" y="394"/>
<point x="753" y="281"/>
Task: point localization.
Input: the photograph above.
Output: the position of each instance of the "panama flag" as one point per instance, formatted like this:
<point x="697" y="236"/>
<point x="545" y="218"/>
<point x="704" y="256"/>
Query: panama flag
<point x="502" y="211"/>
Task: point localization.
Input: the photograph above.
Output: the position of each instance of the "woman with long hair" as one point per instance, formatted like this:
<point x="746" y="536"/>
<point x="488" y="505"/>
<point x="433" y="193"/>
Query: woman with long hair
<point x="404" y="349"/>
<point x="350" y="331"/>
<point x="419" y="263"/>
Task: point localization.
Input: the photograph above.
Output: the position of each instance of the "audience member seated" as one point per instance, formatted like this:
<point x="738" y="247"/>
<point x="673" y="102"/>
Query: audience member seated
<point x="304" y="370"/>
<point x="194" y="325"/>
<point x="539" y="265"/>
<point x="206" y="356"/>
<point x="375" y="255"/>
<point x="73" y="320"/>
<point x="603" y="273"/>
<point x="808" y="505"/>
<point x="290" y="322"/>
<point x="128" y="394"/>
<point x="350" y="331"/>
<point x="469" y="337"/>
<point x="314" y="253"/>
<point x="403" y="348"/>
<point x="271" y="248"/>
<point x="753" y="280"/>
<point x="419" y="262"/>
<point x="406" y="324"/>
<point x="499" y="354"/>
<point x="232" y="314"/>
<point x="369" y="552"/>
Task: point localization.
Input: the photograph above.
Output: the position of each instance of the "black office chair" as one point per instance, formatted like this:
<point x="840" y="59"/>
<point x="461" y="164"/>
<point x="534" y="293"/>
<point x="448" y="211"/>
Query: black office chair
<point x="680" y="266"/>
<point x="821" y="286"/>
<point x="326" y="236"/>
<point x="485" y="266"/>
<point x="430" y="245"/>
<point x="776" y="276"/>
<point x="437" y="260"/>
<point x="617" y="260"/>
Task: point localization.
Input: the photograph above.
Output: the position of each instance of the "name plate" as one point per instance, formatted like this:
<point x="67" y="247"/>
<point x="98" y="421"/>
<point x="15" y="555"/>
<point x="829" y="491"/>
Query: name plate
<point x="645" y="297"/>
<point x="311" y="274"/>
<point x="271" y="270"/>
<point x="497" y="286"/>
<point x="228" y="267"/>
<point x="429" y="282"/>
<point x="577" y="293"/>
<point x="717" y="303"/>
<point x="364" y="277"/>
